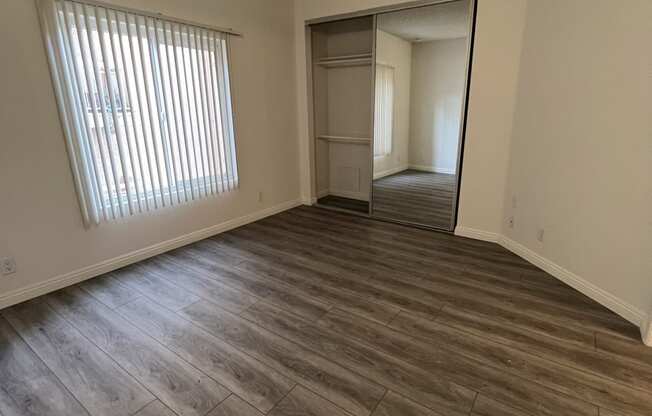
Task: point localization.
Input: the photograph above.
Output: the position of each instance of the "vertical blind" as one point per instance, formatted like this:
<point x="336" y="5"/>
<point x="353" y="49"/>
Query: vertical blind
<point x="146" y="107"/>
<point x="384" y="110"/>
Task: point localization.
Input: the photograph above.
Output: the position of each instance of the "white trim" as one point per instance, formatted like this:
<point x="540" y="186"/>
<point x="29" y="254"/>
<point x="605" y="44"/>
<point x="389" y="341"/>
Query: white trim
<point x="477" y="234"/>
<point x="433" y="169"/>
<point x="106" y="266"/>
<point x="646" y="330"/>
<point x="622" y="308"/>
<point x="390" y="171"/>
<point x="617" y="305"/>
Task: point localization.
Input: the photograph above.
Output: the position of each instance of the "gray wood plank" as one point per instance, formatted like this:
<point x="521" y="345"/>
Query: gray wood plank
<point x="154" y="287"/>
<point x="394" y="404"/>
<point x="585" y="358"/>
<point x="234" y="406"/>
<point x="565" y="379"/>
<point x="155" y="408"/>
<point x="199" y="284"/>
<point x="426" y="262"/>
<point x="415" y="196"/>
<point x="339" y="385"/>
<point x="625" y="349"/>
<point x="27" y="386"/>
<point x="377" y="270"/>
<point x="485" y="406"/>
<point x="345" y="203"/>
<point x="301" y="281"/>
<point x="178" y="385"/>
<point x="109" y="291"/>
<point x="409" y="274"/>
<point x="303" y="402"/>
<point x="258" y="384"/>
<point x="473" y="371"/>
<point x="434" y="390"/>
<point x="272" y="292"/>
<point x="605" y="412"/>
<point x="510" y="327"/>
<point x="448" y="253"/>
<point x="216" y="258"/>
<point x="333" y="275"/>
<point x="101" y="386"/>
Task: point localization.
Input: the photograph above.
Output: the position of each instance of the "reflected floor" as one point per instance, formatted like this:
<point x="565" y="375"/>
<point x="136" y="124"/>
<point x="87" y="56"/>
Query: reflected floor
<point x="415" y="196"/>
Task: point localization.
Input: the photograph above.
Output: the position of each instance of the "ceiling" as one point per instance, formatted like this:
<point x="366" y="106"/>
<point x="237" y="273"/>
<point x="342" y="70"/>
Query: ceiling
<point x="422" y="24"/>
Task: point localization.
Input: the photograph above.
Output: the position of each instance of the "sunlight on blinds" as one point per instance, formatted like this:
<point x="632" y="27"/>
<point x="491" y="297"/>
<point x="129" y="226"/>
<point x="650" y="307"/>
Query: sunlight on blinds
<point x="384" y="110"/>
<point x="146" y="108"/>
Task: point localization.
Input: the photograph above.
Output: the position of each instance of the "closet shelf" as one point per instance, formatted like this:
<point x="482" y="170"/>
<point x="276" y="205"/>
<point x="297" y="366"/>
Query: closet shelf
<point x="345" y="60"/>
<point x="345" y="139"/>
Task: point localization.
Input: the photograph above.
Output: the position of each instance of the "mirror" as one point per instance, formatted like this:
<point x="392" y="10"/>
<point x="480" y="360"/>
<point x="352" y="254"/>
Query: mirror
<point x="420" y="88"/>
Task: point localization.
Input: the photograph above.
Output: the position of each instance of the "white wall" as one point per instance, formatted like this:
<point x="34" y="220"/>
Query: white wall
<point x="581" y="161"/>
<point x="492" y="101"/>
<point x="40" y="222"/>
<point x="438" y="75"/>
<point x="397" y="53"/>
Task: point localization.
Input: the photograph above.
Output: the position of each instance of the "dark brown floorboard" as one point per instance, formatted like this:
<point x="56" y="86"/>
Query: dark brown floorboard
<point x="348" y="204"/>
<point x="315" y="312"/>
<point x="415" y="196"/>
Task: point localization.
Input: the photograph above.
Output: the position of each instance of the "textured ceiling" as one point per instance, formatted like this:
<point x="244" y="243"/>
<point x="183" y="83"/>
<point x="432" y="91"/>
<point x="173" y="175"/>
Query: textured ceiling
<point x="441" y="21"/>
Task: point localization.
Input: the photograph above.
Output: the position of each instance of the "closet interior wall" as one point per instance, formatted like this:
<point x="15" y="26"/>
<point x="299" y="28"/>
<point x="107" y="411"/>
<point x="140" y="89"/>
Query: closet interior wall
<point x="342" y="78"/>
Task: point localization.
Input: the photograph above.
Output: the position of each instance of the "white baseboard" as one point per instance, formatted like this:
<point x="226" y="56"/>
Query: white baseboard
<point x="106" y="266"/>
<point x="617" y="305"/>
<point x="477" y="234"/>
<point x="622" y="308"/>
<point x="646" y="330"/>
<point x="388" y="172"/>
<point x="433" y="169"/>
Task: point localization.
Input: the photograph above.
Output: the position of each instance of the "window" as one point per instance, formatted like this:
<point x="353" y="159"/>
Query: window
<point x="384" y="110"/>
<point x="146" y="107"/>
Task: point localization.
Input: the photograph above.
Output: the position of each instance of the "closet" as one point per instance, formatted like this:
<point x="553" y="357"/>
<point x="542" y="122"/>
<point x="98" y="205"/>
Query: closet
<point x="388" y="110"/>
<point x="342" y="77"/>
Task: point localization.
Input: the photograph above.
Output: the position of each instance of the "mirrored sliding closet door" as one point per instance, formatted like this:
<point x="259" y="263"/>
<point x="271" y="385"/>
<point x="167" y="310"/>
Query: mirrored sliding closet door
<point x="421" y="62"/>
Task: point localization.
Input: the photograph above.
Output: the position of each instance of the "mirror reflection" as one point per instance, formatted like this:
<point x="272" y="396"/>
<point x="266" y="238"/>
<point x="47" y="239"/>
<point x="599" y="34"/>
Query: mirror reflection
<point x="421" y="62"/>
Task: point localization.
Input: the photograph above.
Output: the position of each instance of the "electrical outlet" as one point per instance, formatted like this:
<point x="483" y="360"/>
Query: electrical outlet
<point x="260" y="196"/>
<point x="7" y="265"/>
<point x="514" y="201"/>
<point x="510" y="221"/>
<point x="540" y="235"/>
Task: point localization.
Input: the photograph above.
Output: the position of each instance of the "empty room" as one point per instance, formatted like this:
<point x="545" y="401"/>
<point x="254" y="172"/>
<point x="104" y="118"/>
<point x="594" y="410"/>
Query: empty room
<point x="325" y="208"/>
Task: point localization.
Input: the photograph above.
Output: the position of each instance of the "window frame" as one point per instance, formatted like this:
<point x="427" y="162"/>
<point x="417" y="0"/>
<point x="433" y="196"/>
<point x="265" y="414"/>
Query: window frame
<point x="73" y="100"/>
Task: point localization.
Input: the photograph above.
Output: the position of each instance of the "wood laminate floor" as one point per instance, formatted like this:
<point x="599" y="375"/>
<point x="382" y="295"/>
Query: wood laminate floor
<point x="311" y="312"/>
<point x="415" y="196"/>
<point x="345" y="203"/>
